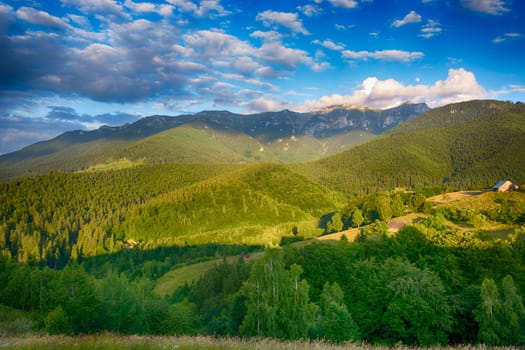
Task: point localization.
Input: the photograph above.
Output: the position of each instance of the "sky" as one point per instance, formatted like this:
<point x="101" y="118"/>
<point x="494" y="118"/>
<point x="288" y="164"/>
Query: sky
<point x="80" y="64"/>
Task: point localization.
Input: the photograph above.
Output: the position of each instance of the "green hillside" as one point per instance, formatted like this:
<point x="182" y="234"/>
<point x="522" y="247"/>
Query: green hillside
<point x="196" y="143"/>
<point x="256" y="205"/>
<point x="190" y="143"/>
<point x="61" y="216"/>
<point x="465" y="145"/>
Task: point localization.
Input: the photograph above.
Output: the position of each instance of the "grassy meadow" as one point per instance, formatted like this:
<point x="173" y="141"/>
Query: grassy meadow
<point x="114" y="342"/>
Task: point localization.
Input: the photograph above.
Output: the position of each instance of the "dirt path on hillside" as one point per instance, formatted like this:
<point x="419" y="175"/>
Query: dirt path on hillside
<point x="454" y="196"/>
<point x="394" y="225"/>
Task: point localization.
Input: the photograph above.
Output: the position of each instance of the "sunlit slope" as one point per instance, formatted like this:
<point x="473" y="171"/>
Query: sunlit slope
<point x="257" y="205"/>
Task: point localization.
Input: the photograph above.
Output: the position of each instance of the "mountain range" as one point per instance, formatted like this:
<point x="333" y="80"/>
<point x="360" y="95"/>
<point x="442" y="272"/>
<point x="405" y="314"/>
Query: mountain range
<point x="211" y="137"/>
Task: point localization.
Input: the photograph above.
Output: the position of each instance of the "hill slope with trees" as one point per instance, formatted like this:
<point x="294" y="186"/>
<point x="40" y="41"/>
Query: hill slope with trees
<point x="466" y="145"/>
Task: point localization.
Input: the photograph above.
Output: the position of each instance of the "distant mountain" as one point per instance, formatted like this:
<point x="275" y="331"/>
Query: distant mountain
<point x="470" y="144"/>
<point x="211" y="136"/>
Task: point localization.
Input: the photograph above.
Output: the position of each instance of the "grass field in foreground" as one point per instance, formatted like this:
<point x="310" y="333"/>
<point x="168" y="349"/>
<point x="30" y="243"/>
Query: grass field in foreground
<point x="114" y="342"/>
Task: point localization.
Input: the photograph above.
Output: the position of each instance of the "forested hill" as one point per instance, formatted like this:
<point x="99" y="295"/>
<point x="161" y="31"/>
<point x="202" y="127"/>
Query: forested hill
<point x="61" y="217"/>
<point x="465" y="145"/>
<point x="210" y="137"/>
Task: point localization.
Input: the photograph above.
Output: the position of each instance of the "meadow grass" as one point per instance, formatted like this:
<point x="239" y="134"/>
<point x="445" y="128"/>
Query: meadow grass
<point x="178" y="277"/>
<point x="115" y="342"/>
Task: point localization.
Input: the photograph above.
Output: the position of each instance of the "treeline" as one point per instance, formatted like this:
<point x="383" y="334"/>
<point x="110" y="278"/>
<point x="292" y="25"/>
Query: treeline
<point x="426" y="285"/>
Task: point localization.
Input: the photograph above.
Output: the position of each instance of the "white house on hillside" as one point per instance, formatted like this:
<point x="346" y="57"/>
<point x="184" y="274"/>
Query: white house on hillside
<point x="504" y="186"/>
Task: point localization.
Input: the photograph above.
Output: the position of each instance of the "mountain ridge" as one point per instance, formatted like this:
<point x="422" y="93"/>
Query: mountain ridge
<point x="78" y="150"/>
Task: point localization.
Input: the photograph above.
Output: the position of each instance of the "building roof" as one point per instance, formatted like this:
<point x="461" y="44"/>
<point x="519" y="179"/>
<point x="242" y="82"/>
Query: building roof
<point x="501" y="183"/>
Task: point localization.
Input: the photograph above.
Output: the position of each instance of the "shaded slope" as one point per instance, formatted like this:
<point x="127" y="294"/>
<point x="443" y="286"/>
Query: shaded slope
<point x="471" y="144"/>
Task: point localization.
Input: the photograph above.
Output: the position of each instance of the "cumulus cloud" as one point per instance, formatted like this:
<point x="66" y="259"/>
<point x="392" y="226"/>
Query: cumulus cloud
<point x="460" y="85"/>
<point x="285" y="19"/>
<point x="491" y="7"/>
<point x="411" y="17"/>
<point x="383" y="55"/>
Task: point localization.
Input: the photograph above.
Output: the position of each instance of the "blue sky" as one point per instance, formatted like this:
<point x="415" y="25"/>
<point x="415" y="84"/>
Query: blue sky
<point x="79" y="64"/>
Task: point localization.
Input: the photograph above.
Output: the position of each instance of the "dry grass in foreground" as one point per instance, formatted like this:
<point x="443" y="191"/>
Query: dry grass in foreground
<point x="110" y="341"/>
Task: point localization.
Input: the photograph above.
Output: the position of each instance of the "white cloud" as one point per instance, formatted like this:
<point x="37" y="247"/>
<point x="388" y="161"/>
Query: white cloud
<point x="349" y="4"/>
<point x="283" y="56"/>
<point x="184" y="5"/>
<point x="506" y="37"/>
<point x="40" y="18"/>
<point x="99" y="7"/>
<point x="460" y="85"/>
<point x="431" y="29"/>
<point x="208" y="44"/>
<point x="140" y="6"/>
<point x="491" y="7"/>
<point x="271" y="35"/>
<point x="285" y="19"/>
<point x="310" y="10"/>
<point x="211" y="8"/>
<point x="411" y="17"/>
<point x="383" y="55"/>
<point x="5" y="9"/>
<point x="329" y="44"/>
<point x="207" y="8"/>
<point x="165" y="10"/>
<point x="218" y="48"/>
<point x="508" y="90"/>
<point x="343" y="27"/>
<point x="321" y="66"/>
<point x="265" y="104"/>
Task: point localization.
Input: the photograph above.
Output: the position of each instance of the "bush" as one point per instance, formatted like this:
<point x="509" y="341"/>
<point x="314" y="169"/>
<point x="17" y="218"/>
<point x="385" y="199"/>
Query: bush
<point x="57" y="322"/>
